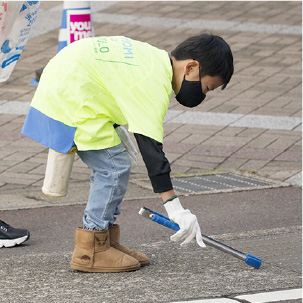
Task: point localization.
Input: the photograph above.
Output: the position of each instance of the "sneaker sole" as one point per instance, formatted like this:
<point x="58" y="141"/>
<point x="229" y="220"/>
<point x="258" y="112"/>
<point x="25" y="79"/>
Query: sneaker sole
<point x="13" y="242"/>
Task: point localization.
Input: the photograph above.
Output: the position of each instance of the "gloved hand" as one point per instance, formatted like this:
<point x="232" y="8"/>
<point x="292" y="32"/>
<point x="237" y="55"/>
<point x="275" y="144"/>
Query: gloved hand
<point x="188" y="223"/>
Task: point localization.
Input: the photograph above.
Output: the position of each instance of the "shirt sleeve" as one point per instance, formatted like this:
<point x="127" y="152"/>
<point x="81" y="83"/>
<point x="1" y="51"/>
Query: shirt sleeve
<point x="157" y="165"/>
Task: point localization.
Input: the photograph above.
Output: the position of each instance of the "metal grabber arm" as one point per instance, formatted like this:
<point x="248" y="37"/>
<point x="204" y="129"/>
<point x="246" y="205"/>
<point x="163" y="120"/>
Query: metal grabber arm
<point x="163" y="220"/>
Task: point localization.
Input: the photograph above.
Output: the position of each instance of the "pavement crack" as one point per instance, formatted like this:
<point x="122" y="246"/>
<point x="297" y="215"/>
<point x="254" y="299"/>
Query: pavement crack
<point x="34" y="198"/>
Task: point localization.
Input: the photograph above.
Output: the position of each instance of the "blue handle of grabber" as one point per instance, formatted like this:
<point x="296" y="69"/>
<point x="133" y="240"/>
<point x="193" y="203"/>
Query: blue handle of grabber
<point x="165" y="221"/>
<point x="248" y="258"/>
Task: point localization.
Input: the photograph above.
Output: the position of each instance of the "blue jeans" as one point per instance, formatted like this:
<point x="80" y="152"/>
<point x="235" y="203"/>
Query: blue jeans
<point x="109" y="179"/>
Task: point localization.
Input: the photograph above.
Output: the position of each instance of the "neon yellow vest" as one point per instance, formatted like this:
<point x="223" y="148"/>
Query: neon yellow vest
<point x="96" y="82"/>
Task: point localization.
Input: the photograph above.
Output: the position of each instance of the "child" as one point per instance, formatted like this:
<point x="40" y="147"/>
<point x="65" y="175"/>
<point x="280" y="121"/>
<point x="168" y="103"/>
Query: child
<point x="95" y="84"/>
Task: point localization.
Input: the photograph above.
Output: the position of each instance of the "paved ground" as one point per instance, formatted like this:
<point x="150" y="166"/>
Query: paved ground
<point x="252" y="127"/>
<point x="265" y="223"/>
<point x="265" y="90"/>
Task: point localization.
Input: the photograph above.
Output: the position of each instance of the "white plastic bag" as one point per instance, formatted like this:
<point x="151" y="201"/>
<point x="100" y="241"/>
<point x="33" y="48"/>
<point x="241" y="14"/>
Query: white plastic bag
<point x="128" y="144"/>
<point x="16" y="19"/>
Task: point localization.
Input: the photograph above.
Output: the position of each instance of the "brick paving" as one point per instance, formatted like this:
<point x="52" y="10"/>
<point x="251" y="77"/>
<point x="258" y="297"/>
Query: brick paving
<point x="267" y="82"/>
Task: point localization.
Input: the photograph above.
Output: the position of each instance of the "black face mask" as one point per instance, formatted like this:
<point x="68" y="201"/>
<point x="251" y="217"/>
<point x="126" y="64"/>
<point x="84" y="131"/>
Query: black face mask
<point x="190" y="94"/>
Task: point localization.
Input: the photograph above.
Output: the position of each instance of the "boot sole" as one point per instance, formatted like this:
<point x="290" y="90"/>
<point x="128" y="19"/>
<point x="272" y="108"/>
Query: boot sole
<point x="92" y="269"/>
<point x="144" y="263"/>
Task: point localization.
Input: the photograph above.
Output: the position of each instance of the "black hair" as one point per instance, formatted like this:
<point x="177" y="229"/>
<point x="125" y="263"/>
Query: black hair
<point x="213" y="54"/>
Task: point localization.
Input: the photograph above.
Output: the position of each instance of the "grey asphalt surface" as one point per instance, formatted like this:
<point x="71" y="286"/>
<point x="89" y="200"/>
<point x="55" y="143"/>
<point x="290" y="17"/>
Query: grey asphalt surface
<point x="261" y="222"/>
<point x="52" y="228"/>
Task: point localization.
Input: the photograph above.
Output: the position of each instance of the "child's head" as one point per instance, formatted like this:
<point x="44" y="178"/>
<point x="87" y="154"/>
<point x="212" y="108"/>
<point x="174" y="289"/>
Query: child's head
<point x="213" y="54"/>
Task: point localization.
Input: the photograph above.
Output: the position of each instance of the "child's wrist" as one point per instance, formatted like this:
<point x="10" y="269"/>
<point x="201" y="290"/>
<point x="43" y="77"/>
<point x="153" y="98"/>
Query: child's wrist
<point x="173" y="206"/>
<point x="169" y="200"/>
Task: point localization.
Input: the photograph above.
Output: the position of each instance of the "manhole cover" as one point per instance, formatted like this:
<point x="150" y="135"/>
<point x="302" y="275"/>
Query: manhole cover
<point x="215" y="182"/>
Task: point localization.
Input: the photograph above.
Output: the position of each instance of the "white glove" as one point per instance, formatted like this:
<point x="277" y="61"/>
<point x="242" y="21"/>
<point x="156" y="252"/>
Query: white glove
<point x="189" y="226"/>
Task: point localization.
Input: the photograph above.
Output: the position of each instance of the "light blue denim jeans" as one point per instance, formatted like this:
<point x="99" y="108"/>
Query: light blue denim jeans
<point x="109" y="179"/>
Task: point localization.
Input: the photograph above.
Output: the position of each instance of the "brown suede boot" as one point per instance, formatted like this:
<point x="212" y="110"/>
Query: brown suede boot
<point x="114" y="235"/>
<point x="93" y="253"/>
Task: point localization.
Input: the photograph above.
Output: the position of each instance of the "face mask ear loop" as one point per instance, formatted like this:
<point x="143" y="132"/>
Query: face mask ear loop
<point x="200" y="77"/>
<point x="200" y="73"/>
<point x="200" y="70"/>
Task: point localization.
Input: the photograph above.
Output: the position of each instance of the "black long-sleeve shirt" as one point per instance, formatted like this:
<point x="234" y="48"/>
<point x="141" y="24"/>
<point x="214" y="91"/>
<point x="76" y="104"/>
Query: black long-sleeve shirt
<point x="156" y="163"/>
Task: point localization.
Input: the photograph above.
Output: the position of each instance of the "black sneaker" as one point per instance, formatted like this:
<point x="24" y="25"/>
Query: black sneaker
<point x="10" y="236"/>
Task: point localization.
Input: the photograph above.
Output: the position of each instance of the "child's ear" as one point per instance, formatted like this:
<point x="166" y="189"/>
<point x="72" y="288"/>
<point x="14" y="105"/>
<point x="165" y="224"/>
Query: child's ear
<point x="191" y="66"/>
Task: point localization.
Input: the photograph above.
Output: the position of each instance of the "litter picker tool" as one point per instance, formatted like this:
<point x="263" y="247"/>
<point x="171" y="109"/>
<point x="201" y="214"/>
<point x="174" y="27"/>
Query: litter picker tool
<point x="163" y="220"/>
